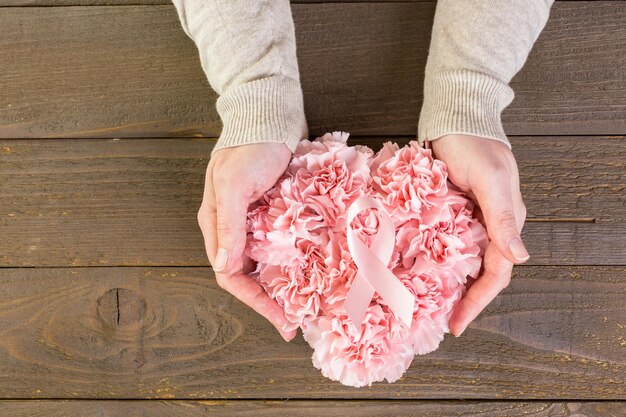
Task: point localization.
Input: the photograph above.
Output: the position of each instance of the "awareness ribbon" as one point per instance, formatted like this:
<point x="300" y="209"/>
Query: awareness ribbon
<point x="372" y="272"/>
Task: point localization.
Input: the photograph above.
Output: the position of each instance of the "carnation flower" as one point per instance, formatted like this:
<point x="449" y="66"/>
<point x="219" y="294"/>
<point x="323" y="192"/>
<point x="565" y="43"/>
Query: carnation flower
<point x="275" y="225"/>
<point x="299" y="287"/>
<point x="326" y="176"/>
<point x="435" y="295"/>
<point x="323" y="151"/>
<point x="408" y="180"/>
<point x="454" y="242"/>
<point x="377" y="351"/>
<point x="342" y="271"/>
<point x="329" y="191"/>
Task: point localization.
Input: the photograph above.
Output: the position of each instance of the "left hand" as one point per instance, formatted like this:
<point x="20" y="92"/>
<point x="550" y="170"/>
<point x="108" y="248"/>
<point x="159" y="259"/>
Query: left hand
<point x="486" y="170"/>
<point x="236" y="177"/>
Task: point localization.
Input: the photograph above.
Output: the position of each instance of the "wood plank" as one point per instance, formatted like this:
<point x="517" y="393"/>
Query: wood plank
<point x="131" y="71"/>
<point x="85" y="202"/>
<point x="306" y="408"/>
<point x="59" y="3"/>
<point x="172" y="333"/>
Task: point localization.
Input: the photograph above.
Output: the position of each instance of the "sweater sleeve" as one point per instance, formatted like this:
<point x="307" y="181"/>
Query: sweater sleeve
<point x="248" y="52"/>
<point x="476" y="48"/>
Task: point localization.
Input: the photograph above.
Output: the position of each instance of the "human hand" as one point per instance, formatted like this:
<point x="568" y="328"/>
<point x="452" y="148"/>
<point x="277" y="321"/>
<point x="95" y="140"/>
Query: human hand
<point x="235" y="178"/>
<point x="486" y="170"/>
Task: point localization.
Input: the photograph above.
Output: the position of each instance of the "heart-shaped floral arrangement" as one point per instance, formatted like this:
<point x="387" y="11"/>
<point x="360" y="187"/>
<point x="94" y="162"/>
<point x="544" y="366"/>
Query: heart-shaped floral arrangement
<point x="299" y="235"/>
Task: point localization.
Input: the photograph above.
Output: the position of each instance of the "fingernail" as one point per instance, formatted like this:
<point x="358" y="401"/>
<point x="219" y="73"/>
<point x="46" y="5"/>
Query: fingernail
<point x="220" y="259"/>
<point x="517" y="249"/>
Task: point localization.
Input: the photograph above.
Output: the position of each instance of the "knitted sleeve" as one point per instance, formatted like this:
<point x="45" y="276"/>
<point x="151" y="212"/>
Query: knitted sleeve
<point x="476" y="48"/>
<point x="248" y="52"/>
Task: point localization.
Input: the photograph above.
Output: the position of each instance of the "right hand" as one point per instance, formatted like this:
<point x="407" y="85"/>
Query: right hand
<point x="235" y="178"/>
<point x="487" y="171"/>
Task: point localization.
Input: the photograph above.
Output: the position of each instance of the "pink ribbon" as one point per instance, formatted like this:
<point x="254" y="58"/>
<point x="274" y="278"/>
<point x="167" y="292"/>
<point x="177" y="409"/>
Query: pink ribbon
<point x="372" y="273"/>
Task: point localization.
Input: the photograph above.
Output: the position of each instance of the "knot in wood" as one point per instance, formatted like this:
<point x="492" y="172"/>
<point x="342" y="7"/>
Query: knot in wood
<point x="121" y="307"/>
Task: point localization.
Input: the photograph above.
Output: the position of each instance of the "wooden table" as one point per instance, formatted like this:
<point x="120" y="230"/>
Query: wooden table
<point x="108" y="306"/>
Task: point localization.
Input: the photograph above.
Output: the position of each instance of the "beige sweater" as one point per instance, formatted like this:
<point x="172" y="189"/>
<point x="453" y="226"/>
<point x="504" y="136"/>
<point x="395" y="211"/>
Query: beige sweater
<point x="248" y="52"/>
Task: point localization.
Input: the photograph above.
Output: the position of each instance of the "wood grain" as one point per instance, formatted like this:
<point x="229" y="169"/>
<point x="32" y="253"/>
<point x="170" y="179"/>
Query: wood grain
<point x="59" y="3"/>
<point x="306" y="408"/>
<point x="85" y="202"/>
<point x="121" y="71"/>
<point x="555" y="332"/>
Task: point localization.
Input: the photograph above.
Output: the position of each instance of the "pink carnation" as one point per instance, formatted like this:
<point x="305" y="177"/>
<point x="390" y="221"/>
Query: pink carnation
<point x="327" y="176"/>
<point x="379" y="350"/>
<point x="454" y="243"/>
<point x="300" y="286"/>
<point x="342" y="272"/>
<point x="275" y="225"/>
<point x="408" y="180"/>
<point x="435" y="295"/>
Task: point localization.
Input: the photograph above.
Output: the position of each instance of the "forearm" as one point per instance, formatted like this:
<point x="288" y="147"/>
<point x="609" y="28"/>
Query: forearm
<point x="476" y="48"/>
<point x="248" y="53"/>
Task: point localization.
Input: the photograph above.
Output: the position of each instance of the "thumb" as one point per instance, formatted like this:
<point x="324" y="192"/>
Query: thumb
<point x="496" y="203"/>
<point x="231" y="211"/>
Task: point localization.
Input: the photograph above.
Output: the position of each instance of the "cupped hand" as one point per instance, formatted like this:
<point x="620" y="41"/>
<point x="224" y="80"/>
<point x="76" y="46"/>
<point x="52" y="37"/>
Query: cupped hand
<point x="486" y="170"/>
<point x="235" y="178"/>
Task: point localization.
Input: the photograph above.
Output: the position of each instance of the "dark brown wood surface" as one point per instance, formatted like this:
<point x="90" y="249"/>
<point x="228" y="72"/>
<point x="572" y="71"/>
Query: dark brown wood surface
<point x="555" y="332"/>
<point x="307" y="408"/>
<point x="131" y="71"/>
<point x="133" y="202"/>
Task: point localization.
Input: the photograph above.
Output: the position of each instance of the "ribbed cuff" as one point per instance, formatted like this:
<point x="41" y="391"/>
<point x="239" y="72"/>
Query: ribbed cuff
<point x="269" y="109"/>
<point x="463" y="102"/>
